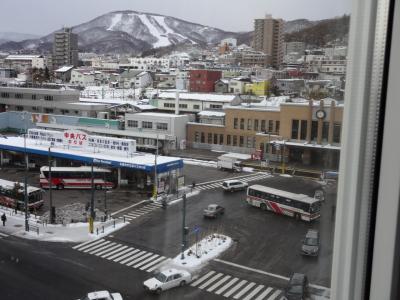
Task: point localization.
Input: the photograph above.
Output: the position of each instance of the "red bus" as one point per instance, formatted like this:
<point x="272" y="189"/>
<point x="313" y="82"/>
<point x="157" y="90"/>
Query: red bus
<point x="12" y="194"/>
<point x="76" y="178"/>
<point x="281" y="202"/>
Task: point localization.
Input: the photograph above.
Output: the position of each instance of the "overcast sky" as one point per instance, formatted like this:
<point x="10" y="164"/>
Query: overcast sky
<point x="44" y="16"/>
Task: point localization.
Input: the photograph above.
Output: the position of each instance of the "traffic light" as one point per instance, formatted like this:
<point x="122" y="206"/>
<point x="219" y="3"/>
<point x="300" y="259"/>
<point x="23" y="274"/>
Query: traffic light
<point x="186" y="230"/>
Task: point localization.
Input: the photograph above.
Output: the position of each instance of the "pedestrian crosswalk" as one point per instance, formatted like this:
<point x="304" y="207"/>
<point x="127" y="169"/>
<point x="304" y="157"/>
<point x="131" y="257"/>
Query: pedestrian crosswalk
<point x="236" y="288"/>
<point x="141" y="211"/>
<point x="245" y="178"/>
<point x="3" y="235"/>
<point x="125" y="255"/>
<point x="212" y="282"/>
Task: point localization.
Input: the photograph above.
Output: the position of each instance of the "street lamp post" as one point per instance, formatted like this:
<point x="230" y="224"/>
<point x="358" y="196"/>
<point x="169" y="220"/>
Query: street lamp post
<point x="155" y="190"/>
<point x="26" y="177"/>
<point x="52" y="216"/>
<point x="184" y="229"/>
<point x="92" y="215"/>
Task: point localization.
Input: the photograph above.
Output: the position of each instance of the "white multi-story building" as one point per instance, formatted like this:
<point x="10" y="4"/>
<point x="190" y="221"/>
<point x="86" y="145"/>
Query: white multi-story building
<point x="179" y="60"/>
<point x="182" y="80"/>
<point x="23" y="63"/>
<point x="148" y="63"/>
<point x="168" y="129"/>
<point x="231" y="42"/>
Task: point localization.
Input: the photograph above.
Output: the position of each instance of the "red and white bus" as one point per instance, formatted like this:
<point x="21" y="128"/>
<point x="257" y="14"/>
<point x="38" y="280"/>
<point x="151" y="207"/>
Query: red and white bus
<point x="12" y="194"/>
<point x="76" y="178"/>
<point x="299" y="206"/>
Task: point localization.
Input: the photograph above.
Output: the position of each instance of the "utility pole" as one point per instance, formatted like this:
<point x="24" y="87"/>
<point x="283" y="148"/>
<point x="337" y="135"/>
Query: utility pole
<point x="26" y="179"/>
<point x="155" y="190"/>
<point x="184" y="229"/>
<point x="52" y="210"/>
<point x="92" y="216"/>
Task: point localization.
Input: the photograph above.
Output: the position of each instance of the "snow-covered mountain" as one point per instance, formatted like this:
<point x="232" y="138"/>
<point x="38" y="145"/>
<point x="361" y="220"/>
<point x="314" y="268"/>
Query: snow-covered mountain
<point x="132" y="31"/>
<point x="16" y="36"/>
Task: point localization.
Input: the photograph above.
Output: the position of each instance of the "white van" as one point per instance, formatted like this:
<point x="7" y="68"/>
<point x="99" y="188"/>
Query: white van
<point x="234" y="185"/>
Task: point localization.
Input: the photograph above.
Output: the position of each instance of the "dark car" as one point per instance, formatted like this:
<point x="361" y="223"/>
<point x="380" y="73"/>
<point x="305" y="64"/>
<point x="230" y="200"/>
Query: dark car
<point x="297" y="288"/>
<point x="213" y="211"/>
<point x="310" y="244"/>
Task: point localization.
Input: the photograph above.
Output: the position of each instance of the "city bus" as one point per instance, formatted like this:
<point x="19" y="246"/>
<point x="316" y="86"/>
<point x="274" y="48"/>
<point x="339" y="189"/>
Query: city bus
<point x="12" y="194"/>
<point x="76" y="178"/>
<point x="299" y="206"/>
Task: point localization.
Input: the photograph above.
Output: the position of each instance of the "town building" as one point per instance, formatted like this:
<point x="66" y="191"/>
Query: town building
<point x="258" y="88"/>
<point x="297" y="131"/>
<point x="24" y="63"/>
<point x="268" y="38"/>
<point x="203" y="81"/>
<point x="192" y="102"/>
<point x="222" y="86"/>
<point x="65" y="48"/>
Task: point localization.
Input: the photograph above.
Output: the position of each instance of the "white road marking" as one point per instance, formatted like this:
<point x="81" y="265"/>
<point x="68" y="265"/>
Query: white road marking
<point x="200" y="280"/>
<point x="139" y="259"/>
<point x="125" y="255"/>
<point x="254" y="292"/>
<point x="235" y="288"/>
<point x="87" y="244"/>
<point x="226" y="286"/>
<point x="244" y="291"/>
<point x="218" y="283"/>
<point x="3" y="235"/>
<point x="275" y="295"/>
<point x="145" y="261"/>
<point x="210" y="281"/>
<point x="120" y="253"/>
<point x="126" y="208"/>
<point x="111" y="251"/>
<point x="263" y="294"/>
<point x="152" y="263"/>
<point x="156" y="266"/>
<point x="96" y="246"/>
<point x="138" y="254"/>
<point x="101" y="249"/>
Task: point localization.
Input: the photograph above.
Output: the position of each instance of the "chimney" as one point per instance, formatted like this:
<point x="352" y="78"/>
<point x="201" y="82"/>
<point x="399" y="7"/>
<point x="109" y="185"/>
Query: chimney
<point x="177" y="103"/>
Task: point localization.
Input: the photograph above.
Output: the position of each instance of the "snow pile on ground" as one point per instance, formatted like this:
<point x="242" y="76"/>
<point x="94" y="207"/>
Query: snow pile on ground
<point x="248" y="169"/>
<point x="198" y="162"/>
<point x="202" y="252"/>
<point x="71" y="213"/>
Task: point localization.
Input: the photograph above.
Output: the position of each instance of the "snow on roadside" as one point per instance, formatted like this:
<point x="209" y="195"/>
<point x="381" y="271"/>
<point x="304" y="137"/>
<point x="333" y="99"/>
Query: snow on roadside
<point x="198" y="162"/>
<point x="248" y="169"/>
<point x="199" y="254"/>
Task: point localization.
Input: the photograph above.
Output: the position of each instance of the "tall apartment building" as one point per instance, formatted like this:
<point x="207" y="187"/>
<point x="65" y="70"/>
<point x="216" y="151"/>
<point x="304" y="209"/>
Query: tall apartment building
<point x="268" y="38"/>
<point x="65" y="48"/>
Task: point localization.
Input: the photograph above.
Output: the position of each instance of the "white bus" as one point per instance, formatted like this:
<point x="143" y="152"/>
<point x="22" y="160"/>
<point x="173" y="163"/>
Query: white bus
<point x="299" y="206"/>
<point x="12" y="194"/>
<point x="76" y="178"/>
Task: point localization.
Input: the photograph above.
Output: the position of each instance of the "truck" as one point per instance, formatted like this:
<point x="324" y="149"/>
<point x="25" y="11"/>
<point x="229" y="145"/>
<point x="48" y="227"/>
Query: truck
<point x="231" y="161"/>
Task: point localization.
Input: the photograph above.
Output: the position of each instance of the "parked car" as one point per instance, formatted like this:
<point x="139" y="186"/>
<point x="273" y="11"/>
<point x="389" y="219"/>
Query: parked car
<point x="234" y="185"/>
<point x="167" y="279"/>
<point x="297" y="288"/>
<point x="213" y="211"/>
<point x="311" y="243"/>
<point x="102" y="295"/>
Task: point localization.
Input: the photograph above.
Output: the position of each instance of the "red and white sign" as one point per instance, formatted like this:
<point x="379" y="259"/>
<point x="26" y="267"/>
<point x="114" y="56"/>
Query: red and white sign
<point x="75" y="138"/>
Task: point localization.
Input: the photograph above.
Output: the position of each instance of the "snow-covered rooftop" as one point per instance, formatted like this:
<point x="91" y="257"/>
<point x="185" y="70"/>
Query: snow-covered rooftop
<point x="208" y="113"/>
<point x="198" y="96"/>
<point x="64" y="69"/>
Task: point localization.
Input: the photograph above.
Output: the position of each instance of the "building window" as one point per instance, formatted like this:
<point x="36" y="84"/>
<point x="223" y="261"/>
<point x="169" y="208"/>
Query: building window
<point x="64" y="111"/>
<point x="183" y="106"/>
<point x="5" y="95"/>
<point x="256" y="125"/>
<point x="314" y="130"/>
<point x="215" y="106"/>
<point x="249" y="124"/>
<point x="76" y="112"/>
<point x="325" y="131"/>
<point x="169" y="105"/>
<point x="49" y="110"/>
<point x="19" y="96"/>
<point x="262" y="125"/>
<point x="147" y="125"/>
<point x="241" y="141"/>
<point x="295" y="129"/>
<point x="196" y="106"/>
<point x="337" y="128"/>
<point x="221" y="139"/>
<point x="162" y="126"/>
<point x="242" y="124"/>
<point x="48" y="98"/>
<point x="277" y="126"/>
<point x="209" y="138"/>
<point x="270" y="126"/>
<point x="33" y="97"/>
<point x="234" y="140"/>
<point x="203" y="138"/>
<point x="133" y="123"/>
<point x="196" y="137"/>
<point x="35" y="108"/>
<point x="303" y="130"/>
<point x="235" y="123"/>
<point x="228" y="139"/>
<point x="215" y="138"/>
<point x="19" y="108"/>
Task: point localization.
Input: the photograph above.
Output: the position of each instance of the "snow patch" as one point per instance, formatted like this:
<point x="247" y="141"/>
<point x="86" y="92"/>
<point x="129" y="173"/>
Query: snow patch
<point x="161" y="21"/>
<point x="248" y="169"/>
<point x="163" y="41"/>
<point x="200" y="253"/>
<point x="201" y="163"/>
<point x="115" y="20"/>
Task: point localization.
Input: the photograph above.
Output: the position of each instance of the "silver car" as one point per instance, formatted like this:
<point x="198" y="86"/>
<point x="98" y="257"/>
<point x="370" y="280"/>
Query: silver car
<point x="311" y="244"/>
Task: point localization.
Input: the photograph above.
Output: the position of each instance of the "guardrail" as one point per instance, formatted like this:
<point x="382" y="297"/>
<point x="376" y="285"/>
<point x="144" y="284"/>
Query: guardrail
<point x="101" y="228"/>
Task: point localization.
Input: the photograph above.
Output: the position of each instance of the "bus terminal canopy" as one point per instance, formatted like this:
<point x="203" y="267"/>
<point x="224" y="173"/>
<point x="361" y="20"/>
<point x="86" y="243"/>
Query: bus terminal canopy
<point x="137" y="161"/>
